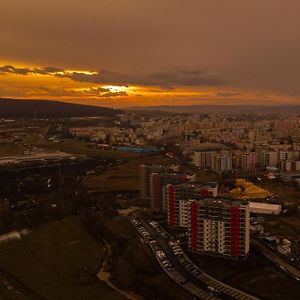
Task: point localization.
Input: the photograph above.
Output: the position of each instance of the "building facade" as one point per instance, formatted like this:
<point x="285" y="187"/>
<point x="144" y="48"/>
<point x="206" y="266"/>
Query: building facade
<point x="219" y="227"/>
<point x="145" y="173"/>
<point x="157" y="182"/>
<point x="221" y="162"/>
<point x="248" y="163"/>
<point x="177" y="197"/>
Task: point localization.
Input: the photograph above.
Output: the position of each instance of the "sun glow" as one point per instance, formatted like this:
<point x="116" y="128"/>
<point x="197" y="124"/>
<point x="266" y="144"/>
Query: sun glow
<point x="117" y="88"/>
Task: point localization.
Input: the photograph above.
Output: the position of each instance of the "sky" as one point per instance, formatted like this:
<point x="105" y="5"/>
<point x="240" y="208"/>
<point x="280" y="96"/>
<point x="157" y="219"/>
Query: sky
<point x="122" y="53"/>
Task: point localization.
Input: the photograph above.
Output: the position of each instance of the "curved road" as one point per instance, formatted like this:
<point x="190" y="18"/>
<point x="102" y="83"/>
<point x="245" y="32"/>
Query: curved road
<point x="202" y="285"/>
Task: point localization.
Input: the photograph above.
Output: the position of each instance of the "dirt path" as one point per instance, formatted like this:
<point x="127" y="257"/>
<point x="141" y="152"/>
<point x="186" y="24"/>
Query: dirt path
<point x="105" y="276"/>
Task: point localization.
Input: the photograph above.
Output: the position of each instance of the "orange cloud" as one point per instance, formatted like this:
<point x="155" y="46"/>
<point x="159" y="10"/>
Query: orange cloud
<point x="181" y="87"/>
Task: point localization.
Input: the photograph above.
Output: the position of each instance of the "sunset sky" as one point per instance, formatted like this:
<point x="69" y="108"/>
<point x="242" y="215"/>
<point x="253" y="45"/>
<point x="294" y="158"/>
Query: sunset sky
<point x="151" y="52"/>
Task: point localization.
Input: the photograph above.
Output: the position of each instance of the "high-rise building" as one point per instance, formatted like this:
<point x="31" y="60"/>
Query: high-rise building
<point x="202" y="159"/>
<point x="176" y="197"/>
<point x="248" y="162"/>
<point x="219" y="227"/>
<point x="157" y="182"/>
<point x="286" y="155"/>
<point x="267" y="158"/>
<point x="221" y="162"/>
<point x="145" y="173"/>
<point x="288" y="166"/>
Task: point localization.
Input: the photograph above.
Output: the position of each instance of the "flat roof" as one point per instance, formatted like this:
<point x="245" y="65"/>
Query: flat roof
<point x="264" y="205"/>
<point x="34" y="157"/>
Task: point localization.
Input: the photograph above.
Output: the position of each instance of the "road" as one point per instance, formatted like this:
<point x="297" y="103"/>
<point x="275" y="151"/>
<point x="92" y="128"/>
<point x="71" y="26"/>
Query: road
<point x="201" y="285"/>
<point x="280" y="262"/>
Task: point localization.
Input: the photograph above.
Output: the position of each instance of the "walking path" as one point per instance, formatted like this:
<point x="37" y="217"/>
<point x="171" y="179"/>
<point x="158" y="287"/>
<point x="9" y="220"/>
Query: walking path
<point x="105" y="276"/>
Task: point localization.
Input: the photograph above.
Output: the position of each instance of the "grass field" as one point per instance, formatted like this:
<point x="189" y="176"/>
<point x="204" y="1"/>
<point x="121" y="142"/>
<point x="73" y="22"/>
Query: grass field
<point x="285" y="191"/>
<point x="124" y="177"/>
<point x="134" y="267"/>
<point x="82" y="148"/>
<point x="10" y="149"/>
<point x="288" y="226"/>
<point x="58" y="261"/>
<point x="75" y="147"/>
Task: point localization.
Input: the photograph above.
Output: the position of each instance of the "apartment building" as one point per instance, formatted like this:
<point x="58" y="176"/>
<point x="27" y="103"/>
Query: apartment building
<point x="203" y="159"/>
<point x="145" y="173"/>
<point x="219" y="227"/>
<point x="222" y="162"/>
<point x="157" y="182"/>
<point x="288" y="166"/>
<point x="248" y="162"/>
<point x="177" y="196"/>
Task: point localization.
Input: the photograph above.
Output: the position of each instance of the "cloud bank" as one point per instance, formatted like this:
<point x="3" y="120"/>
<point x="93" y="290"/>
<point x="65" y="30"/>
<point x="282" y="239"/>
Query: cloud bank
<point x="170" y="79"/>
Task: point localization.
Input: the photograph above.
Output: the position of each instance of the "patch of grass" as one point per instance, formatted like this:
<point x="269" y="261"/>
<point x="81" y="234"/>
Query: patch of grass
<point x="123" y="177"/>
<point x="10" y="149"/>
<point x="134" y="267"/>
<point x="285" y="191"/>
<point x="77" y="147"/>
<point x="287" y="226"/>
<point x="58" y="261"/>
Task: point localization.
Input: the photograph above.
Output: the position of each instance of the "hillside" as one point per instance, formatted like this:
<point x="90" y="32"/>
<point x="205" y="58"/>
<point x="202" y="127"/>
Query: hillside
<point x="46" y="108"/>
<point x="226" y="109"/>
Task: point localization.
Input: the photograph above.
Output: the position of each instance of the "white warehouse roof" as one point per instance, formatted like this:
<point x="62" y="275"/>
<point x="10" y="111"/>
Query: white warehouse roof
<point x="264" y="208"/>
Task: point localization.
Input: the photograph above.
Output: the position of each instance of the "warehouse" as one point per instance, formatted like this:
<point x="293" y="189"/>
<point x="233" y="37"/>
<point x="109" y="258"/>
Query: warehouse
<point x="265" y="208"/>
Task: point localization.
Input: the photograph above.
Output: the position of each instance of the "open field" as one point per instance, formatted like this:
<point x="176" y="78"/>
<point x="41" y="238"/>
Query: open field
<point x="60" y="260"/>
<point x="285" y="191"/>
<point x="135" y="269"/>
<point x="74" y="147"/>
<point x="10" y="149"/>
<point x="123" y="177"/>
<point x="288" y="226"/>
<point x="82" y="148"/>
<point x="77" y="147"/>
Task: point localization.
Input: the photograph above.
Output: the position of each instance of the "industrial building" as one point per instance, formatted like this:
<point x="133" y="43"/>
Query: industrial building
<point x="265" y="208"/>
<point x="33" y="158"/>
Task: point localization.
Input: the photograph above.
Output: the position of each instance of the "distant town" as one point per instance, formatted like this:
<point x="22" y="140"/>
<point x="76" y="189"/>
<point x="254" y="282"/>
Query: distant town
<point x="197" y="200"/>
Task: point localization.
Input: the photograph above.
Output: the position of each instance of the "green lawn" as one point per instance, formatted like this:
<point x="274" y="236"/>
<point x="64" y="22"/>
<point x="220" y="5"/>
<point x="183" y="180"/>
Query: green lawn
<point x="58" y="261"/>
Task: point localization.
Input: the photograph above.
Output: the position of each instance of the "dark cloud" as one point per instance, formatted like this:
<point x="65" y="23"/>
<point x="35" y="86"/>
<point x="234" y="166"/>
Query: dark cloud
<point x="229" y="94"/>
<point x="25" y="71"/>
<point x="97" y="90"/>
<point x="167" y="79"/>
<point x="103" y="92"/>
<point x="178" y="77"/>
<point x="12" y="69"/>
<point x="114" y="94"/>
<point x="90" y="92"/>
<point x="47" y="70"/>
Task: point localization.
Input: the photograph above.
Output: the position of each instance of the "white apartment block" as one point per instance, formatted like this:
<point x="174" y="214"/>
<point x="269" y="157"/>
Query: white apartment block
<point x="219" y="227"/>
